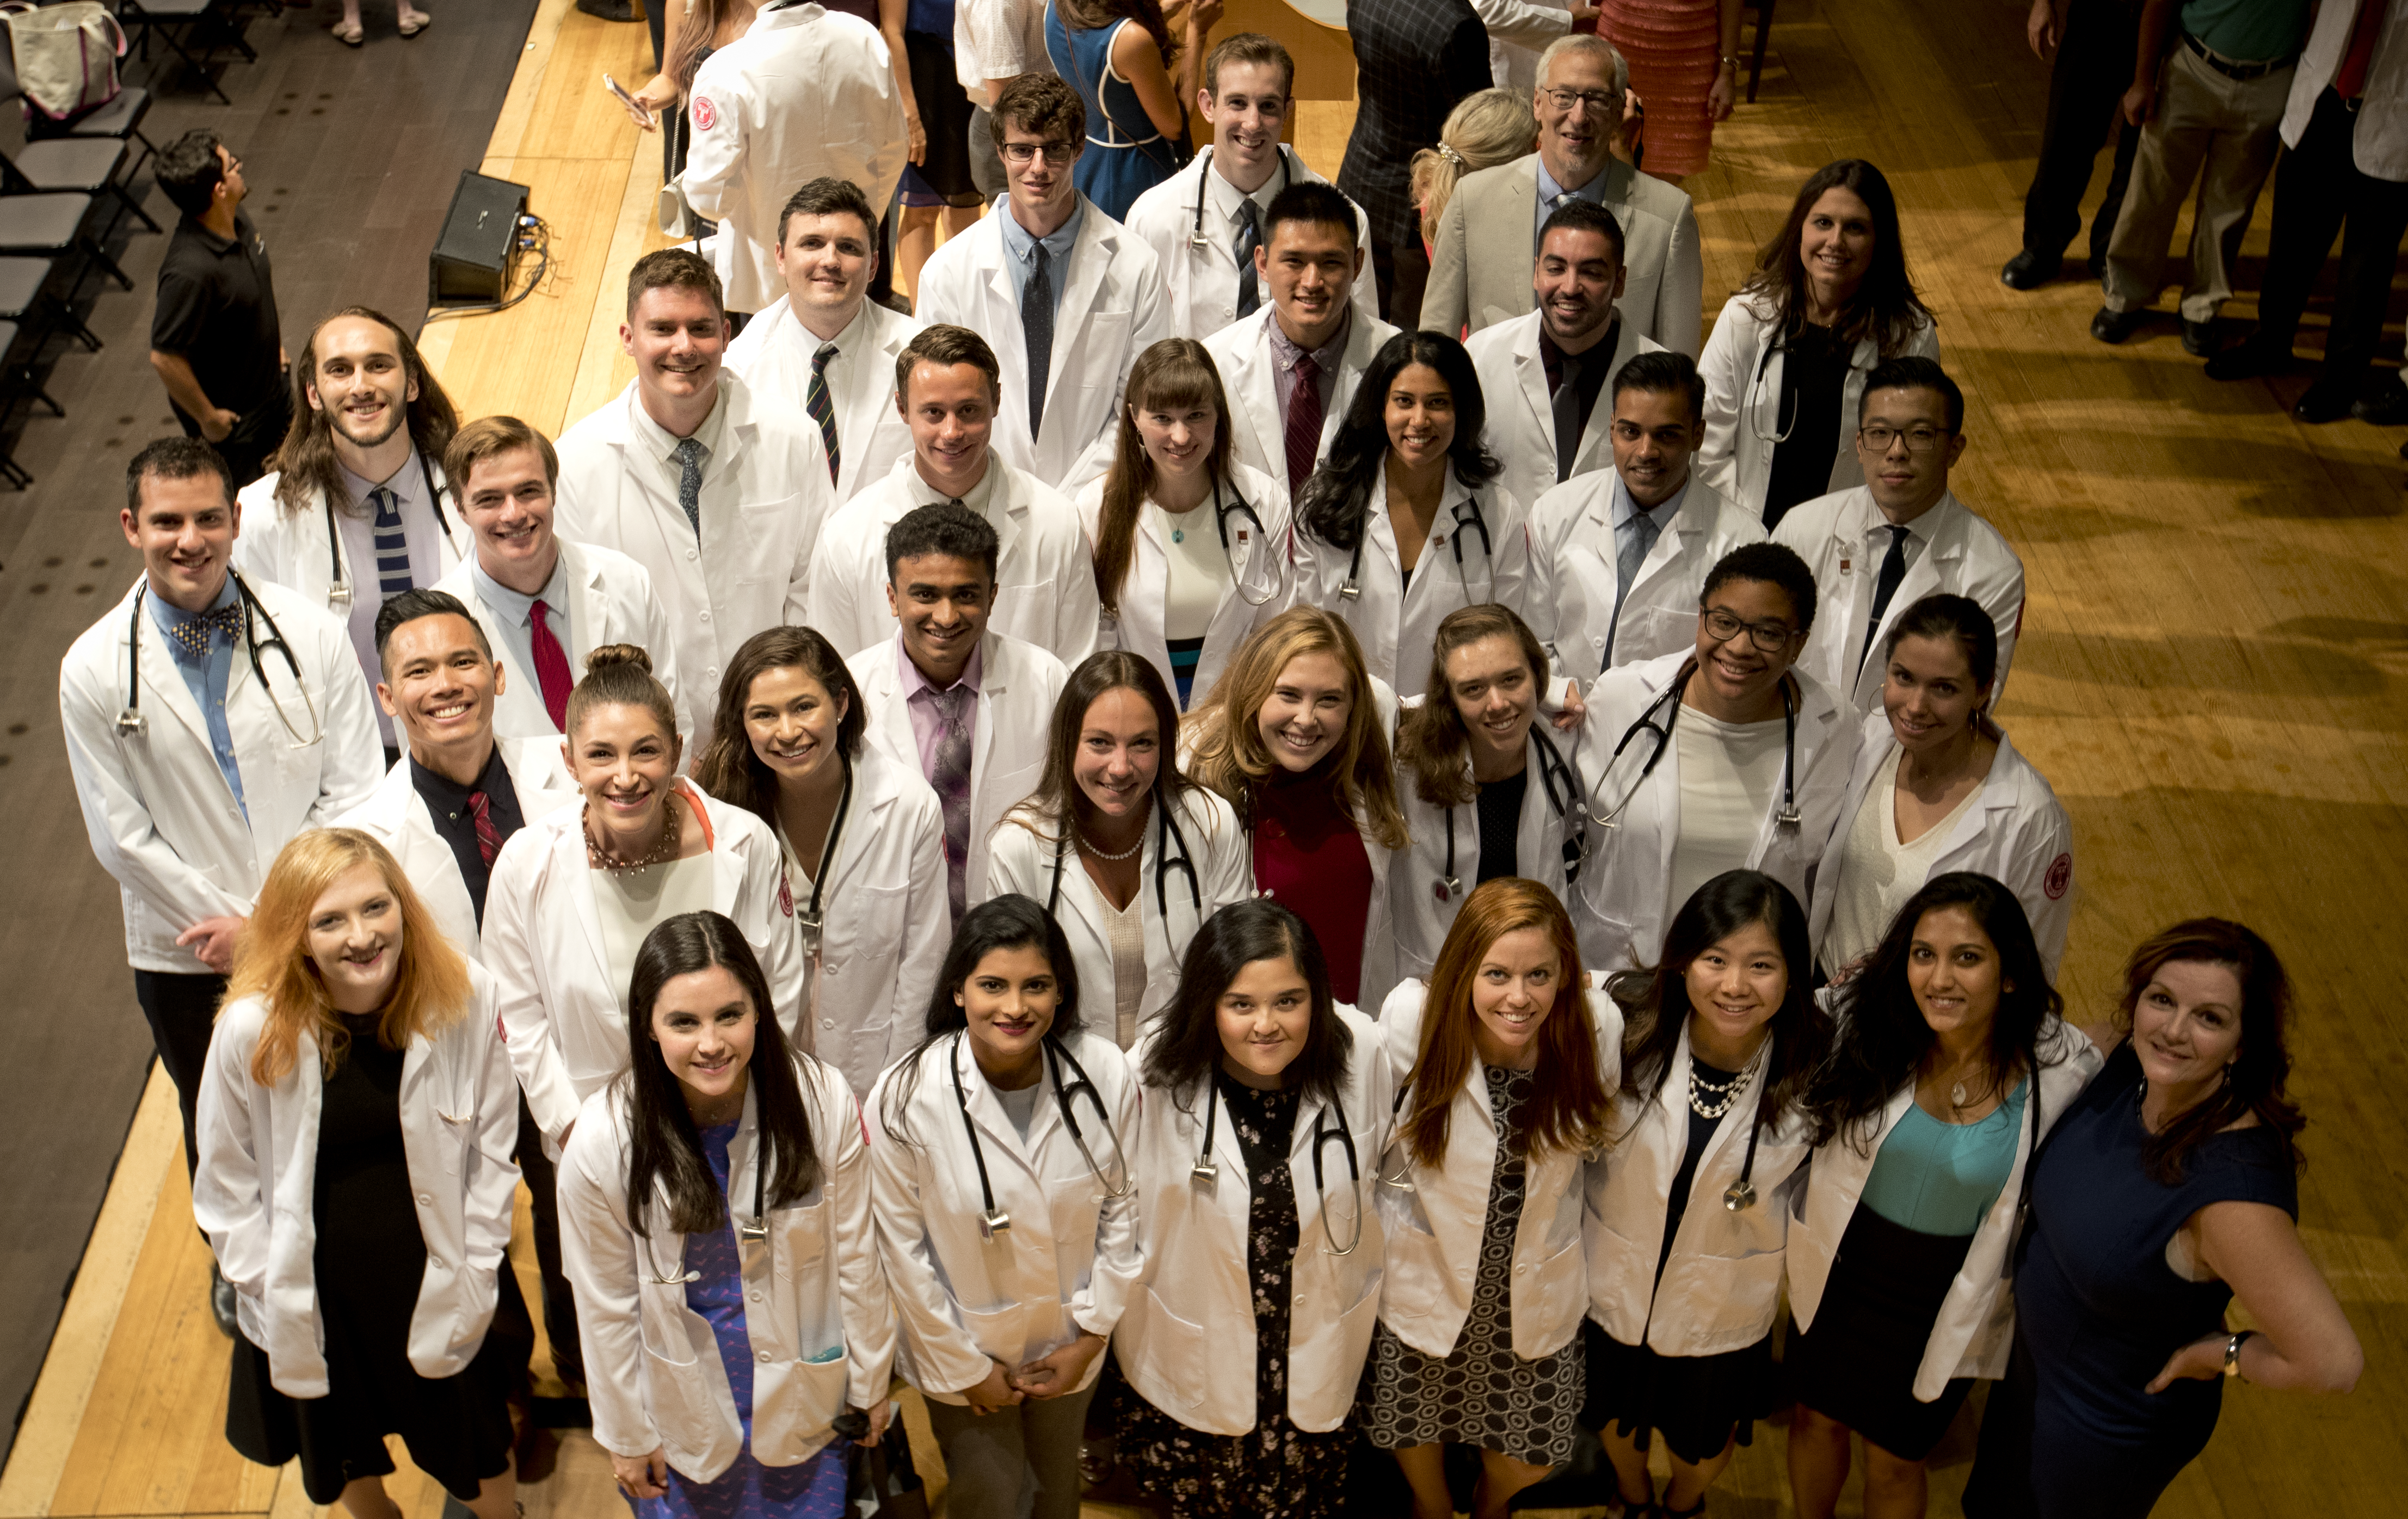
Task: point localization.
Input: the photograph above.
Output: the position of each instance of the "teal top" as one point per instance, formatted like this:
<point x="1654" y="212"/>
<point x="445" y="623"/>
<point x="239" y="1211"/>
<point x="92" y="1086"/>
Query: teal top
<point x="2248" y="31"/>
<point x="1940" y="1179"/>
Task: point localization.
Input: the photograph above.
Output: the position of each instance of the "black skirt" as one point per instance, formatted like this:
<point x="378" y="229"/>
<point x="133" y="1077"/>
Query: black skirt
<point x="944" y="177"/>
<point x="1857" y="1365"/>
<point x="1700" y="1402"/>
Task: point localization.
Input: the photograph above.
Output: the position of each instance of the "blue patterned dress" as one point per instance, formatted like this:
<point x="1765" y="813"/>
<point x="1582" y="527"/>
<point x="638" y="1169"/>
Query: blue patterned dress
<point x="1125" y="156"/>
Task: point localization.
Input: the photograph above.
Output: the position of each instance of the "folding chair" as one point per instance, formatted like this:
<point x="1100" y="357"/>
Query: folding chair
<point x="17" y="382"/>
<point x="51" y="225"/>
<point x="85" y="164"/>
<point x="177" y="21"/>
<point x="25" y="300"/>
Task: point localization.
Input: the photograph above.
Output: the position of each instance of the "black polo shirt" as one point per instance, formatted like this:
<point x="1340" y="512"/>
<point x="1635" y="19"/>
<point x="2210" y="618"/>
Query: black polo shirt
<point x="456" y="826"/>
<point x="217" y="312"/>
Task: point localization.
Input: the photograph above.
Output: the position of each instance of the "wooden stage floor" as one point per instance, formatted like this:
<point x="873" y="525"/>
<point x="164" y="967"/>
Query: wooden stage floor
<point x="2216" y="635"/>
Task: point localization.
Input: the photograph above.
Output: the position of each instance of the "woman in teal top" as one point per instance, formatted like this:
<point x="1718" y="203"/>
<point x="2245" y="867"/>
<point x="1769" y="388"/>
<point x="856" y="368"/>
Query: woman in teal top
<point x="1119" y="55"/>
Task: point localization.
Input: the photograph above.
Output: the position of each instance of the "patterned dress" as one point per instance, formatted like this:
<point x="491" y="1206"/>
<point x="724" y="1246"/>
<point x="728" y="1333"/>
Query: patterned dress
<point x="1482" y="1394"/>
<point x="1275" y="1471"/>
<point x="1674" y="49"/>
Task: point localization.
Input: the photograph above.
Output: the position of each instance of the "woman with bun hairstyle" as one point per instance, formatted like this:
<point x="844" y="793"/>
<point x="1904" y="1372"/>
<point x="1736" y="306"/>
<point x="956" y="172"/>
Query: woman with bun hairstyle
<point x="574" y="894"/>
<point x="714" y="1212"/>
<point x="861" y="844"/>
<point x="1507" y="1062"/>
<point x="1689" y="1210"/>
<point x="357" y="1117"/>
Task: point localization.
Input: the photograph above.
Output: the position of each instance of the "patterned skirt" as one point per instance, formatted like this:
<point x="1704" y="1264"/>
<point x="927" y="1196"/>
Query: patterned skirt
<point x="1674" y="48"/>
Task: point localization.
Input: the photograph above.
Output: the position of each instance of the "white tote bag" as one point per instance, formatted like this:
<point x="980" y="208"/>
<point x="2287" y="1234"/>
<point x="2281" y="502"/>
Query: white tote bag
<point x="65" y="55"/>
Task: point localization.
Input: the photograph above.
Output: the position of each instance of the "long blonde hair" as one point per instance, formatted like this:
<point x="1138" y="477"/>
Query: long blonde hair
<point x="1229" y="753"/>
<point x="1486" y="128"/>
<point x="272" y="960"/>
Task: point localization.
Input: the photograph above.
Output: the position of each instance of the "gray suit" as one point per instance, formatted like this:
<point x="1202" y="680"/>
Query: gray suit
<point x="1484" y="277"/>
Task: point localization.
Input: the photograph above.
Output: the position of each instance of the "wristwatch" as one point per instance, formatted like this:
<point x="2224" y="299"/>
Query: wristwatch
<point x="2232" y="1352"/>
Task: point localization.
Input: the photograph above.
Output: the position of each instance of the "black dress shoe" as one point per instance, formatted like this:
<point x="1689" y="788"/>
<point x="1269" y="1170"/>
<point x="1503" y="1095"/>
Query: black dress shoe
<point x="2248" y="359"/>
<point x="2111" y="326"/>
<point x="2386" y="407"/>
<point x="222" y="1304"/>
<point x="2199" y="338"/>
<point x="2028" y="270"/>
<point x="608" y="10"/>
<point x="2328" y="400"/>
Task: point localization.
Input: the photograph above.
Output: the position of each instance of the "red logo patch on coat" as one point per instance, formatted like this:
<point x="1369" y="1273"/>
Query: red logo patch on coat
<point x="2060" y="876"/>
<point x="706" y="115"/>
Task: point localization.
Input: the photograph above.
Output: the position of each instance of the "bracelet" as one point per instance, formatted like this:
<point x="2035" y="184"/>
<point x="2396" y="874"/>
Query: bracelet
<point x="2233" y="1354"/>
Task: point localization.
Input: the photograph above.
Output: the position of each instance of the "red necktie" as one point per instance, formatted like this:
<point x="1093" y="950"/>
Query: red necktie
<point x="551" y="671"/>
<point x="1303" y="437"/>
<point x="489" y="838"/>
<point x="2350" y="82"/>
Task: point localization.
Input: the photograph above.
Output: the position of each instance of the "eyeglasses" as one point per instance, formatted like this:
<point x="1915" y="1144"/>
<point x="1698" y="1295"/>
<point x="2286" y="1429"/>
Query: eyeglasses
<point x="1771" y="638"/>
<point x="1020" y="154"/>
<point x="1596" y="100"/>
<point x="1918" y="440"/>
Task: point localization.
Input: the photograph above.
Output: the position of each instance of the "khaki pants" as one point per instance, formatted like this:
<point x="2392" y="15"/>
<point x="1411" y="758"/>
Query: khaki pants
<point x="2220" y="129"/>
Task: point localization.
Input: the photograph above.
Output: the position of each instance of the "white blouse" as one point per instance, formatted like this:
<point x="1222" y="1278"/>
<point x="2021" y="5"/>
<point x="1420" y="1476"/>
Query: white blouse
<point x="1728" y="772"/>
<point x="1879" y="873"/>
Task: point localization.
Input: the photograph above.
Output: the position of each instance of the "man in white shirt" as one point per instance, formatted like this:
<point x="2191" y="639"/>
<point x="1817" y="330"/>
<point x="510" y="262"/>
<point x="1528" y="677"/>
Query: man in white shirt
<point x="208" y="721"/>
<point x="1520" y="31"/>
<point x="824" y="348"/>
<point x="1045" y="582"/>
<point x="1900" y="536"/>
<point x="543" y="603"/>
<point x="1488" y="237"/>
<point x="1207" y="251"/>
<point x="1542" y="374"/>
<point x="355" y="510"/>
<point x="994" y="42"/>
<point x="963" y="705"/>
<point x="1618" y="556"/>
<point x="1290" y="373"/>
<point x="1068" y="296"/>
<point x="805" y="92"/>
<point x="720" y="497"/>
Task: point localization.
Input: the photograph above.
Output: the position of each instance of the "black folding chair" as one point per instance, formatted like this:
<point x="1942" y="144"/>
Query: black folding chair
<point x="86" y="164"/>
<point x="17" y="382"/>
<point x="121" y="118"/>
<point x="53" y="225"/>
<point x="182" y="25"/>
<point x="25" y="298"/>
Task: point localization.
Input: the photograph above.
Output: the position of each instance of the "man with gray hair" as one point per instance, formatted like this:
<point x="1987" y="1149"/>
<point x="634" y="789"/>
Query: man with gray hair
<point x="1487" y="242"/>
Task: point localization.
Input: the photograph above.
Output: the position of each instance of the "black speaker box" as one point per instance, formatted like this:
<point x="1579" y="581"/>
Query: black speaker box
<point x="477" y="256"/>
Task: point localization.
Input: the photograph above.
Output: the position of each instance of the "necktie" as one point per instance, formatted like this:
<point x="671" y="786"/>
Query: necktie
<point x="1250" y="237"/>
<point x="1632" y="540"/>
<point x="2349" y="82"/>
<point x="952" y="780"/>
<point x="489" y="838"/>
<point x="1037" y="331"/>
<point x="823" y="410"/>
<point x="1303" y="437"/>
<point x="1567" y="416"/>
<point x="191" y="634"/>
<point x="550" y="668"/>
<point x="1893" y="569"/>
<point x="391" y="544"/>
<point x="688" y="454"/>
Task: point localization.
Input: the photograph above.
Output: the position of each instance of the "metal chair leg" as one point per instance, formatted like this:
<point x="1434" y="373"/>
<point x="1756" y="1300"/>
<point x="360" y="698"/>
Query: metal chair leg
<point x="1763" y="32"/>
<point x="132" y="205"/>
<point x="99" y="255"/>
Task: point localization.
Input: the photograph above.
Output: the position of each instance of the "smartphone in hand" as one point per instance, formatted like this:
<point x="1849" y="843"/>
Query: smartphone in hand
<point x="635" y="108"/>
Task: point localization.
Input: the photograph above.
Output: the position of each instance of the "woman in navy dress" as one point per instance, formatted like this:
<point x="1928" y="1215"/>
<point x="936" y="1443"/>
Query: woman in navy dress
<point x="2169" y="1189"/>
<point x="1136" y="82"/>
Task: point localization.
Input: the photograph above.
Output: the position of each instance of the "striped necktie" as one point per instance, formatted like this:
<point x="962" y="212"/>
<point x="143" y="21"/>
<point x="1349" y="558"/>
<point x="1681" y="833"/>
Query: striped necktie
<point x="391" y="544"/>
<point x="823" y="410"/>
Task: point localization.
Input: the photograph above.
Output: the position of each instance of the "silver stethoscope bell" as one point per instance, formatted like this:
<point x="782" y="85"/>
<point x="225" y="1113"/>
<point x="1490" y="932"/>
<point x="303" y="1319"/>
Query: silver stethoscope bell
<point x="1447" y="886"/>
<point x="131" y="723"/>
<point x="1204" y="1170"/>
<point x="1739" y="1194"/>
<point x="1350" y="591"/>
<point x="754" y="1233"/>
<point x="339" y="595"/>
<point x="1787" y="817"/>
<point x="994" y="1222"/>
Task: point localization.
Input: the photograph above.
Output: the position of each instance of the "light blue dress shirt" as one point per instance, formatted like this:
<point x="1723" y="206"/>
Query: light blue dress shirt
<point x="206" y="677"/>
<point x="516" y="612"/>
<point x="1548" y="191"/>
<point x="1022" y="247"/>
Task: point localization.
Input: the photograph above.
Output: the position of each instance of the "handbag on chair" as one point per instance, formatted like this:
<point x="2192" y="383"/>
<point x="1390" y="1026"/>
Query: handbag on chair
<point x="65" y="55"/>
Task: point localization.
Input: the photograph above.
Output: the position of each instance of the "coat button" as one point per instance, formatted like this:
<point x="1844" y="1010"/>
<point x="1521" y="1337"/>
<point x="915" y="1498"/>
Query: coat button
<point x="425" y="1200"/>
<point x="833" y="969"/>
<point x="765" y="1357"/>
<point x="827" y="1023"/>
<point x="691" y="554"/>
<point x="705" y="616"/>
<point x="756" y="1298"/>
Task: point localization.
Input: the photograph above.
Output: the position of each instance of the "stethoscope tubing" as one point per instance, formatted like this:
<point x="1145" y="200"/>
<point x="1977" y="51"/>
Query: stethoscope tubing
<point x="339" y="586"/>
<point x="131" y="722"/>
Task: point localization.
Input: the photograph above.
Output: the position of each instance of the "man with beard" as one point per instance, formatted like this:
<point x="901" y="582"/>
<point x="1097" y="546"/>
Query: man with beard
<point x="358" y="509"/>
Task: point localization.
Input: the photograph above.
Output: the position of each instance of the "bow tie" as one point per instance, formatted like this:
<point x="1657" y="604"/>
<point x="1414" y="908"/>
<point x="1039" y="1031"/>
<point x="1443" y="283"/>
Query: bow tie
<point x="191" y="634"/>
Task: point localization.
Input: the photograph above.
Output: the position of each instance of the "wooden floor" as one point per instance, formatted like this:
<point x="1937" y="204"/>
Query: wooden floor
<point x="2212" y="672"/>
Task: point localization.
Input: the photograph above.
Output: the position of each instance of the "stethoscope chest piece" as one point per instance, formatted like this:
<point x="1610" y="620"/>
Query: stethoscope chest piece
<point x="1739" y="1194"/>
<point x="1205" y="1171"/>
<point x="131" y="723"/>
<point x="339" y="596"/>
<point x="1446" y="887"/>
<point x="992" y="1222"/>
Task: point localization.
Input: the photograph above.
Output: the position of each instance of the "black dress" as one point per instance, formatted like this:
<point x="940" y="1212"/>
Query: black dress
<point x="369" y="1261"/>
<point x="1275" y="1469"/>
<point x="1813" y="386"/>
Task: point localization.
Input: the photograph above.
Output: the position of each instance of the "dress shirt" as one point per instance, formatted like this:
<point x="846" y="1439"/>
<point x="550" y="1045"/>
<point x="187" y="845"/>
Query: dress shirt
<point x="1022" y="245"/>
<point x="1662" y="513"/>
<point x="1918" y="536"/>
<point x="515" y="612"/>
<point x="1226" y="199"/>
<point x="978" y="498"/>
<point x="920" y="700"/>
<point x="1593" y="191"/>
<point x="1594" y="362"/>
<point x="662" y="444"/>
<point x="447" y="804"/>
<point x="207" y="677"/>
<point x="358" y="527"/>
<point x="1287" y="355"/>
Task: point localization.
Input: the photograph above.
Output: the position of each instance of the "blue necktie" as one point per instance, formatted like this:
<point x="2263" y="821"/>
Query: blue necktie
<point x="391" y="544"/>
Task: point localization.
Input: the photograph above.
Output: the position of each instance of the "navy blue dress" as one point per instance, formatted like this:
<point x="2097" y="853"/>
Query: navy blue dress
<point x="2099" y="1312"/>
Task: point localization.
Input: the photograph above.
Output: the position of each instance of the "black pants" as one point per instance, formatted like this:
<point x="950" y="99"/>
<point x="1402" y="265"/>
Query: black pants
<point x="559" y="1305"/>
<point x="2317" y="188"/>
<point x="181" y="1010"/>
<point x="1402" y="271"/>
<point x="2093" y="69"/>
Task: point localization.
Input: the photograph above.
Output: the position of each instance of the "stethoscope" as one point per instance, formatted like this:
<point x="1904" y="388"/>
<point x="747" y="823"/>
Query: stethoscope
<point x="339" y="588"/>
<point x="1786" y="817"/>
<point x="1196" y="238"/>
<point x="756" y="1234"/>
<point x="1221" y="511"/>
<point x="1166" y="833"/>
<point x="1755" y="400"/>
<point x="1477" y="522"/>
<point x="1563" y="790"/>
<point x="134" y="723"/>
<point x="993" y="1220"/>
<point x="811" y="918"/>
<point x="1207" y="1171"/>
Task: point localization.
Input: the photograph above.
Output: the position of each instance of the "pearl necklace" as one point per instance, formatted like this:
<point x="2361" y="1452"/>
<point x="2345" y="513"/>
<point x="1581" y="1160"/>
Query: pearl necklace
<point x="1130" y="853"/>
<point x="1711" y="1099"/>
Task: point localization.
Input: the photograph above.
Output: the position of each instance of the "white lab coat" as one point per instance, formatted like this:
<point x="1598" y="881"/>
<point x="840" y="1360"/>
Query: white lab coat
<point x="1064" y="1266"/>
<point x="764" y="497"/>
<point x="1111" y="310"/>
<point x="1018" y="686"/>
<point x="804" y="93"/>
<point x="1521" y="428"/>
<point x="887" y="921"/>
<point x="610" y="600"/>
<point x="1200" y="270"/>
<point x="398" y="818"/>
<point x="1977" y="1319"/>
<point x="1575" y="568"/>
<point x="562" y="1010"/>
<point x="1044" y="576"/>
<point x="292" y="549"/>
<point x="1021" y="857"/>
<point x="1422" y="920"/>
<point x="1743" y="403"/>
<point x="1397" y="624"/>
<point x="2378" y="138"/>
<point x="157" y="809"/>
<point x="1187" y="1342"/>
<point x="1248" y="376"/>
<point x="1721" y="1288"/>
<point x="1518" y="31"/>
<point x="2016" y="833"/>
<point x="811" y="1289"/>
<point x="1436" y="1230"/>
<point x="252" y="1193"/>
<point x="1836" y="536"/>
<point x="1257" y="590"/>
<point x="773" y="354"/>
<point x="1624" y="890"/>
